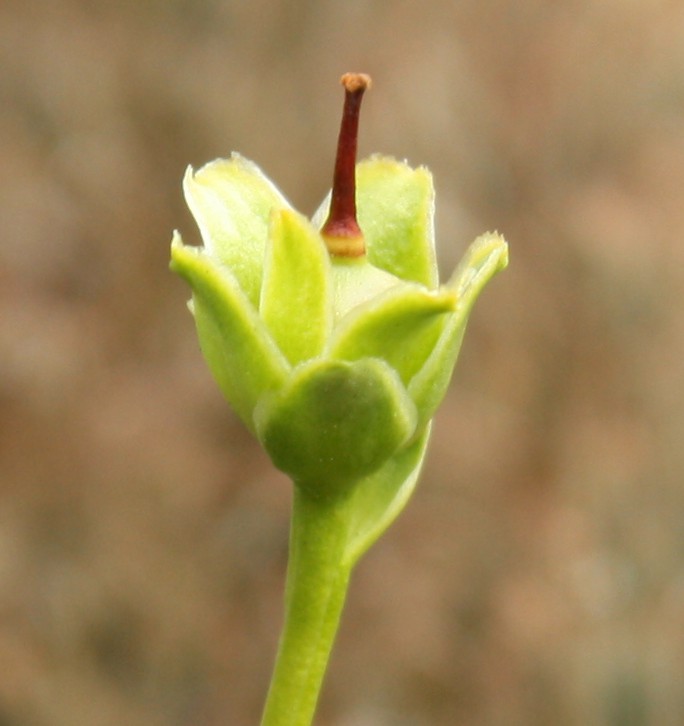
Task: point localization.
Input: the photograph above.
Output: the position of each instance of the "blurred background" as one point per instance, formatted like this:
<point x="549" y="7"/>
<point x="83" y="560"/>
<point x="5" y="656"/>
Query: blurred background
<point x="537" y="576"/>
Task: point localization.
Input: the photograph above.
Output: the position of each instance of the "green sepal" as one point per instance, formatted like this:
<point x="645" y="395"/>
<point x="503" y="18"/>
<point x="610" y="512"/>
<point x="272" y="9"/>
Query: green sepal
<point x="231" y="200"/>
<point x="378" y="498"/>
<point x="395" y="208"/>
<point x="400" y="326"/>
<point x="334" y="422"/>
<point x="486" y="256"/>
<point x="237" y="346"/>
<point x="296" y="302"/>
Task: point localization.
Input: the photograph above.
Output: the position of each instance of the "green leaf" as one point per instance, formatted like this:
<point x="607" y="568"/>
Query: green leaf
<point x="295" y="295"/>
<point x="231" y="200"/>
<point x="378" y="499"/>
<point x="487" y="255"/>
<point x="400" y="326"/>
<point x="334" y="422"/>
<point x="239" y="350"/>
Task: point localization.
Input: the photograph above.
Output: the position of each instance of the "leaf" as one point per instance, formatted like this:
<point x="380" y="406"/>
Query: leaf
<point x="295" y="295"/>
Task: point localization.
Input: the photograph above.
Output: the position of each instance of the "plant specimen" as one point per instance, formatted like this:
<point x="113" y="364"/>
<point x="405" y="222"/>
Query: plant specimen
<point x="334" y="342"/>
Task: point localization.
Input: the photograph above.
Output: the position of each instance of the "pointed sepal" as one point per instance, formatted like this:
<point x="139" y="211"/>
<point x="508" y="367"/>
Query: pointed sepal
<point x="486" y="256"/>
<point x="296" y="299"/>
<point x="400" y="326"/>
<point x="235" y="342"/>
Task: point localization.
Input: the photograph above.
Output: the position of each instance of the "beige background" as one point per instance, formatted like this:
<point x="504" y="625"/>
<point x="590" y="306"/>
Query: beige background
<point x="537" y="577"/>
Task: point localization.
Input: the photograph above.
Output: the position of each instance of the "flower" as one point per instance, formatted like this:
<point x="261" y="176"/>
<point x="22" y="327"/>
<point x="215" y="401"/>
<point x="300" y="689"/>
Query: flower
<point x="332" y="339"/>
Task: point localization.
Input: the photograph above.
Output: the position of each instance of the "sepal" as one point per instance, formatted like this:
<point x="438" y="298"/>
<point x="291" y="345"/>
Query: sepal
<point x="400" y="326"/>
<point x="235" y="342"/>
<point x="486" y="256"/>
<point x="378" y="499"/>
<point x="296" y="296"/>
<point x="334" y="422"/>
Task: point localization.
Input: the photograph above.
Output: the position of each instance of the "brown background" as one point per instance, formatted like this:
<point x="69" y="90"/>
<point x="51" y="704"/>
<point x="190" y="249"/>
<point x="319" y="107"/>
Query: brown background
<point x="537" y="577"/>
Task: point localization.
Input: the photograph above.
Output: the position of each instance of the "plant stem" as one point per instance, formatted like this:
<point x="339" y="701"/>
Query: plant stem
<point x="317" y="580"/>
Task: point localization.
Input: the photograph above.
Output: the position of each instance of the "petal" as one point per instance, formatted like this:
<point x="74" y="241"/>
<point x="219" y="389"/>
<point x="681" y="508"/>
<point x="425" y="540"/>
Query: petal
<point x="231" y="200"/>
<point x="486" y="256"/>
<point x="395" y="209"/>
<point x="296" y="300"/>
<point x="401" y="327"/>
<point x="380" y="497"/>
<point x="239" y="350"/>
<point x="334" y="422"/>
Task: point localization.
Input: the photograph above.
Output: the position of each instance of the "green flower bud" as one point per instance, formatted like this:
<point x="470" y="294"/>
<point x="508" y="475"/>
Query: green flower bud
<point x="331" y="338"/>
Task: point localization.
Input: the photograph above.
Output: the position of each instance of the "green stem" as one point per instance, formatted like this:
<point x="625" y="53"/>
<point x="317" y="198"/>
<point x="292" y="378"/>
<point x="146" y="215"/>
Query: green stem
<point x="317" y="580"/>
